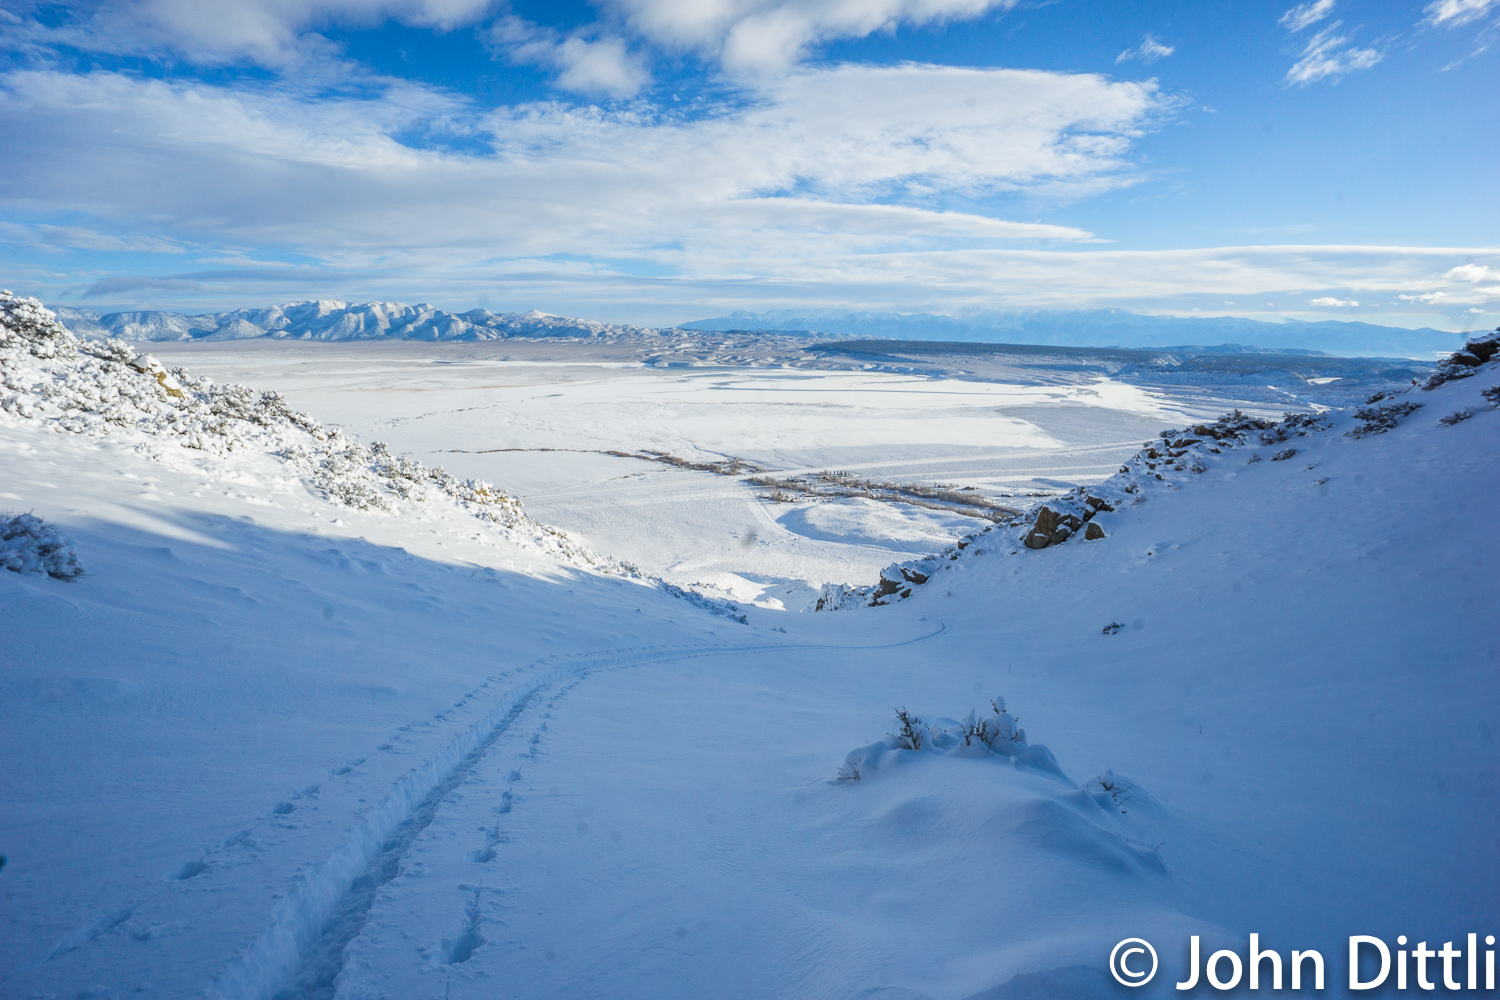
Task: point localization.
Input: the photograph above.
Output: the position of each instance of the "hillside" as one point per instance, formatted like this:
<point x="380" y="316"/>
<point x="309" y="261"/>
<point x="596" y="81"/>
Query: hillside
<point x="310" y="724"/>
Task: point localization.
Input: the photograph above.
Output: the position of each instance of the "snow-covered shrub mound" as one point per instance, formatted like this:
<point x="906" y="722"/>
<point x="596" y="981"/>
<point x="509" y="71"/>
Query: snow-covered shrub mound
<point x="49" y="376"/>
<point x="992" y="735"/>
<point x="30" y="545"/>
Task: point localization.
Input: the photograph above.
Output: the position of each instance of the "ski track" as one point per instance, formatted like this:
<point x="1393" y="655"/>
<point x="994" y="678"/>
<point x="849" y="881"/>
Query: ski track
<point x="300" y="953"/>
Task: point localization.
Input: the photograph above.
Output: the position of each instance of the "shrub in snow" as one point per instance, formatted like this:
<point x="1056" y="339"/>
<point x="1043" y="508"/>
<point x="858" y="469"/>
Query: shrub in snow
<point x="1492" y="395"/>
<point x="30" y="545"/>
<point x="1457" y="417"/>
<point x="991" y="735"/>
<point x="1379" y="419"/>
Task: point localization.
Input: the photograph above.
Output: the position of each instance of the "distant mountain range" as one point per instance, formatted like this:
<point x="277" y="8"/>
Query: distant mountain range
<point x="1099" y="328"/>
<point x="329" y="319"/>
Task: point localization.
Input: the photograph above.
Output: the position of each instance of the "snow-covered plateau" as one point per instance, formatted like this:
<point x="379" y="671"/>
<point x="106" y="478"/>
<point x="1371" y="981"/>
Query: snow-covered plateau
<point x="295" y="703"/>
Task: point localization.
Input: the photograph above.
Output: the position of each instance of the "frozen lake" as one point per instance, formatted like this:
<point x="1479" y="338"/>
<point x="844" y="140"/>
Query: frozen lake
<point x="536" y="418"/>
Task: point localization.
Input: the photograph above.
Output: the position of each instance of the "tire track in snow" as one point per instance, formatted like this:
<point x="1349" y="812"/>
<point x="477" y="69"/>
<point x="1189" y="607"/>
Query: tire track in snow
<point x="332" y="900"/>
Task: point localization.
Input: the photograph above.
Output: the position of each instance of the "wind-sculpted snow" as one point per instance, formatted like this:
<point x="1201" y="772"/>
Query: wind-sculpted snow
<point x="105" y="388"/>
<point x="330" y="319"/>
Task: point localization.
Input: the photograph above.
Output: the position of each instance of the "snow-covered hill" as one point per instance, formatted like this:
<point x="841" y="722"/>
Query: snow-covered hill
<point x="272" y="744"/>
<point x="329" y="319"/>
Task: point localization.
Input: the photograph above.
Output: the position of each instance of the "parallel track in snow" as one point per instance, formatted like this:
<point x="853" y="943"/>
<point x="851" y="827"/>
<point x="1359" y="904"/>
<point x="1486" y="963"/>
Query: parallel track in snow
<point x="300" y="953"/>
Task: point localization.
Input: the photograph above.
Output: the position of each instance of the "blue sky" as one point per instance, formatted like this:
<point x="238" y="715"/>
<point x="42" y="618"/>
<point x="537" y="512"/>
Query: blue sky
<point x="663" y="160"/>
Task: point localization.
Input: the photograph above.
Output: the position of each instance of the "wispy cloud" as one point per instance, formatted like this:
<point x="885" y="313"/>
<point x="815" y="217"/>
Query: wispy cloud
<point x="1147" y="52"/>
<point x="1452" y="13"/>
<point x="1329" y="302"/>
<point x="1306" y="15"/>
<point x="760" y="36"/>
<point x="1476" y="285"/>
<point x="1328" y="56"/>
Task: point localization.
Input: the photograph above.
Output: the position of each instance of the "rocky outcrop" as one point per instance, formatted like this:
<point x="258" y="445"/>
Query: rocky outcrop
<point x="1051" y="527"/>
<point x="1479" y="350"/>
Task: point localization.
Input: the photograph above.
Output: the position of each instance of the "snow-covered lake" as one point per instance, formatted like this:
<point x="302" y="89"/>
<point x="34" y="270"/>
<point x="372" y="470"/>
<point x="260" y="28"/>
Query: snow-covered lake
<point x="536" y="418"/>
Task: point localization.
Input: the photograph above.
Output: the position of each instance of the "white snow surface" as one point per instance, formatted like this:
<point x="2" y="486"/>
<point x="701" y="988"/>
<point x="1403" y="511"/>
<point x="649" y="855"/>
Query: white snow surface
<point x="272" y="745"/>
<point x="539" y="418"/>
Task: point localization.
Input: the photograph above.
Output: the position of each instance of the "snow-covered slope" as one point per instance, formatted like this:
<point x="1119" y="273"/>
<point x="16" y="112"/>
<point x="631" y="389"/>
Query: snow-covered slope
<point x="271" y="744"/>
<point x="330" y="319"/>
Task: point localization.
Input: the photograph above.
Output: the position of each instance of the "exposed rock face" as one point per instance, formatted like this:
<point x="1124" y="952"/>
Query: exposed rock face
<point x="1052" y="527"/>
<point x="1040" y="535"/>
<point x="1094" y="532"/>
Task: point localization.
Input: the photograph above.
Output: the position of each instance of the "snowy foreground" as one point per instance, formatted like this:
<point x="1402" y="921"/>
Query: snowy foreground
<point x="318" y="721"/>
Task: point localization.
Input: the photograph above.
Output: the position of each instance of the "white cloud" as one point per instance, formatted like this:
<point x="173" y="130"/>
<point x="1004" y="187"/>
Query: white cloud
<point x="1307" y="14"/>
<point x="1329" y="302"/>
<point x="756" y="36"/>
<point x="1147" y="52"/>
<point x="1452" y="13"/>
<point x="265" y="32"/>
<point x="1465" y="285"/>
<point x="1328" y="57"/>
<point x="218" y="163"/>
<point x="586" y="66"/>
<point x="821" y="190"/>
<point x="1474" y="274"/>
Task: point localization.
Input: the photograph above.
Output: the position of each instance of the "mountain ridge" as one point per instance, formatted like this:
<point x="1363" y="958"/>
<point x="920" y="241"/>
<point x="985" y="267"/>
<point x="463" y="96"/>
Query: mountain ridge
<point x="1099" y="328"/>
<point x="335" y="320"/>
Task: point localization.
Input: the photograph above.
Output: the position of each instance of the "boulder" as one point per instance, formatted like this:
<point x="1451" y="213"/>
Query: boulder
<point x="1094" y="532"/>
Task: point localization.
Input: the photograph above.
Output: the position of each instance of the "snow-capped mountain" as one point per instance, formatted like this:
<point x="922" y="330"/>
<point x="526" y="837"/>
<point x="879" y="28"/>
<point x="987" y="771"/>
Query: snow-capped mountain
<point x="330" y="319"/>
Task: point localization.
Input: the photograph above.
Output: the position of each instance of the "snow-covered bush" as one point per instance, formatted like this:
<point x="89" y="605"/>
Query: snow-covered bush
<point x="1379" y="419"/>
<point x="990" y="735"/>
<point x="30" y="545"/>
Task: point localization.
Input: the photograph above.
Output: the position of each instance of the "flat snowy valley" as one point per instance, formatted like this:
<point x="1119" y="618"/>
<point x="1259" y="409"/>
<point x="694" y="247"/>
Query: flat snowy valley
<point x="316" y="721"/>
